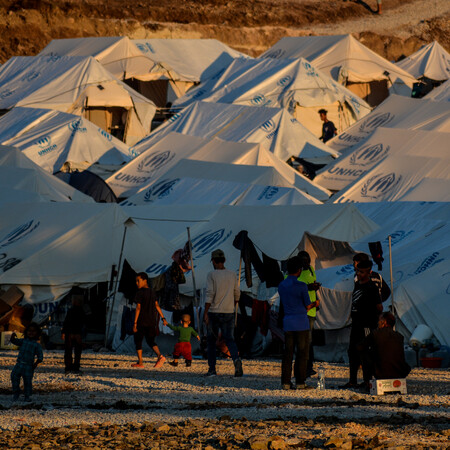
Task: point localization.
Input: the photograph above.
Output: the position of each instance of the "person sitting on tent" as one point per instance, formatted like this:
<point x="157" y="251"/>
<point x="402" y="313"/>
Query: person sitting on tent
<point x="328" y="128"/>
<point x="375" y="277"/>
<point x="146" y="320"/>
<point x="383" y="351"/>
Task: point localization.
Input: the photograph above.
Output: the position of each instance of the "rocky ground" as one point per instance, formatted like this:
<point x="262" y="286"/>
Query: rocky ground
<point x="114" y="406"/>
<point x="26" y="26"/>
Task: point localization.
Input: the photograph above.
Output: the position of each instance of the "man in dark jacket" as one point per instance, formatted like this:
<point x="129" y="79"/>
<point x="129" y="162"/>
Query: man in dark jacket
<point x="71" y="334"/>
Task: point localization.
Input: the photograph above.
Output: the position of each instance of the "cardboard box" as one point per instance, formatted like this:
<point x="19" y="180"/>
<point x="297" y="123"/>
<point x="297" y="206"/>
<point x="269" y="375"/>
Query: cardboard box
<point x="5" y="340"/>
<point x="380" y="387"/>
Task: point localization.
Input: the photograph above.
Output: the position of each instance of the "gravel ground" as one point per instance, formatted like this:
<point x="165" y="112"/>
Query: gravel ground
<point x="111" y="391"/>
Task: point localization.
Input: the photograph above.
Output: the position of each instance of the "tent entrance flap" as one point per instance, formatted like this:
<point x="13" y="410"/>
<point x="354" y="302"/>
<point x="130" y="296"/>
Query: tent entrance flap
<point x="373" y="92"/>
<point x="111" y="119"/>
<point x="154" y="90"/>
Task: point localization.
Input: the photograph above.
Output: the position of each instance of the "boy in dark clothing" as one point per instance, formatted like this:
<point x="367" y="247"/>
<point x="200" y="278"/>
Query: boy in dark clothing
<point x="146" y="320"/>
<point x="183" y="346"/>
<point x="328" y="128"/>
<point x="71" y="334"/>
<point x="366" y="307"/>
<point x="30" y="355"/>
<point x="383" y="351"/>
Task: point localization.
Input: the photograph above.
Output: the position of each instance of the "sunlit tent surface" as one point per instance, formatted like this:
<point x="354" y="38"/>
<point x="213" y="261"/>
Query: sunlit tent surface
<point x="395" y="112"/>
<point x="431" y="61"/>
<point x="77" y="85"/>
<point x="155" y="160"/>
<point x="23" y="180"/>
<point x="275" y="128"/>
<point x="364" y="72"/>
<point x="293" y="84"/>
<point x="383" y="143"/>
<point x="53" y="140"/>
<point x="441" y="93"/>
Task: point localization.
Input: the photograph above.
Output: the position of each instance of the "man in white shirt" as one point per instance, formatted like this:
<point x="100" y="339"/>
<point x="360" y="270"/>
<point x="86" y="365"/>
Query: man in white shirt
<point x="222" y="295"/>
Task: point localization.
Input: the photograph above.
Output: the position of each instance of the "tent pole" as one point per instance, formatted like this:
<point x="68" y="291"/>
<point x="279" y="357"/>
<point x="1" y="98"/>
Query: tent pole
<point x="193" y="279"/>
<point x="239" y="285"/>
<point x="392" y="278"/>
<point x="119" y="269"/>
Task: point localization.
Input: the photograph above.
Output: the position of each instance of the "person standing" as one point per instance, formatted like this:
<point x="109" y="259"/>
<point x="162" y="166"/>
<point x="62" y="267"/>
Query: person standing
<point x="71" y="334"/>
<point x="183" y="346"/>
<point x="222" y="295"/>
<point x="30" y="356"/>
<point x="366" y="307"/>
<point x="146" y="320"/>
<point x="308" y="276"/>
<point x="295" y="301"/>
<point x="328" y="128"/>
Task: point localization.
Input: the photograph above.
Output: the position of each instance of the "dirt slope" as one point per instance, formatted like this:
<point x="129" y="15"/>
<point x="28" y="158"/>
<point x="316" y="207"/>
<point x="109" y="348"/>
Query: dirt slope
<point x="26" y="26"/>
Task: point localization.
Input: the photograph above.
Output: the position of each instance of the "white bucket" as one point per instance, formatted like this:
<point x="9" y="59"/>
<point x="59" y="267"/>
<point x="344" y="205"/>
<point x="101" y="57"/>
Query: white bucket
<point x="420" y="335"/>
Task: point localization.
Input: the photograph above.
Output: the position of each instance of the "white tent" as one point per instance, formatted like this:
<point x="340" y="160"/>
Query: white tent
<point x="293" y="84"/>
<point x="420" y="238"/>
<point x="275" y="128"/>
<point x="441" y="93"/>
<point x="53" y="139"/>
<point x="118" y="54"/>
<point x="155" y="160"/>
<point x="55" y="246"/>
<point x="397" y="176"/>
<point x="395" y="112"/>
<point x="21" y="179"/>
<point x="346" y="60"/>
<point x="383" y="143"/>
<point x="78" y="85"/>
<point x="431" y="61"/>
<point x="186" y="62"/>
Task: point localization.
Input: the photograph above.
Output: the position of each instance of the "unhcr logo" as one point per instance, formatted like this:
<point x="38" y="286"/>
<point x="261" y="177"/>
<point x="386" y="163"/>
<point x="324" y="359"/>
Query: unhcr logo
<point x="31" y="76"/>
<point x="174" y="117"/>
<point x="145" y="48"/>
<point x="275" y="54"/>
<point x="105" y="134"/>
<point x="398" y="236"/>
<point x="198" y="94"/>
<point x="310" y="71"/>
<point x="259" y="100"/>
<point x="369" y="155"/>
<point x="346" y="270"/>
<point x="268" y="193"/>
<point x="160" y="190"/>
<point x="155" y="161"/>
<point x="19" y="233"/>
<point x="284" y="81"/>
<point x="6" y="93"/>
<point x="268" y="126"/>
<point x="45" y="144"/>
<point x="77" y="126"/>
<point x="375" y="121"/>
<point x="380" y="185"/>
<point x="428" y="262"/>
<point x="208" y="241"/>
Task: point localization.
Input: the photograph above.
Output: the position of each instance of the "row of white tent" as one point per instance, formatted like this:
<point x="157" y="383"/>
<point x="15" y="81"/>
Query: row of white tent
<point x="211" y="154"/>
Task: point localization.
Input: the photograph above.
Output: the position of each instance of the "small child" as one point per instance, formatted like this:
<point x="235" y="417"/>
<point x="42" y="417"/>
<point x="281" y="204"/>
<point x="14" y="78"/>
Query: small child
<point x="26" y="362"/>
<point x="183" y="346"/>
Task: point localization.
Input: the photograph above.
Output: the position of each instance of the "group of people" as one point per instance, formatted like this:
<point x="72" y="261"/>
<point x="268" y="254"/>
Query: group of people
<point x="374" y="344"/>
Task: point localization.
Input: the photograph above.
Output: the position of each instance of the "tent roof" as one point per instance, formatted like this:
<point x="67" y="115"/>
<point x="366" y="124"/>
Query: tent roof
<point x="431" y="61"/>
<point x="189" y="59"/>
<point x="20" y="173"/>
<point x="383" y="143"/>
<point x="118" y="54"/>
<point x="155" y="160"/>
<point x="276" y="83"/>
<point x="441" y="93"/>
<point x="52" y="138"/>
<point x="61" y="82"/>
<point x="275" y="128"/>
<point x="395" y="112"/>
<point x="395" y="177"/>
<point x="341" y="56"/>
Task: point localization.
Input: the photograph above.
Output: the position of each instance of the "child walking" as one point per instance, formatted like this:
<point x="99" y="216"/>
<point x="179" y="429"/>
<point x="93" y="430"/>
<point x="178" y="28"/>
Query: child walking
<point x="30" y="355"/>
<point x="183" y="346"/>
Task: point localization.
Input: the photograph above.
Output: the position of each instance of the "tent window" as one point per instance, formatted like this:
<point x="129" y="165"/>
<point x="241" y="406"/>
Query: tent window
<point x="113" y="120"/>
